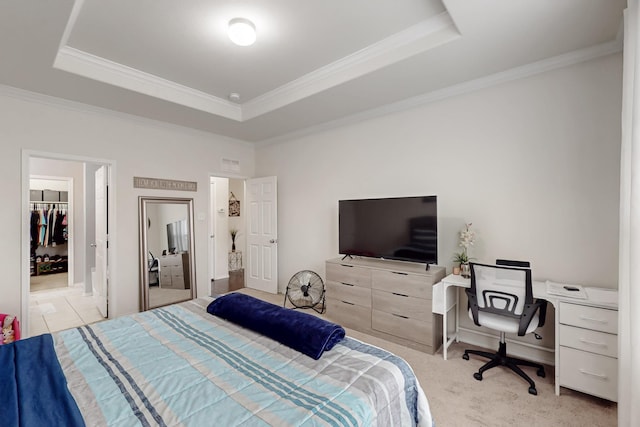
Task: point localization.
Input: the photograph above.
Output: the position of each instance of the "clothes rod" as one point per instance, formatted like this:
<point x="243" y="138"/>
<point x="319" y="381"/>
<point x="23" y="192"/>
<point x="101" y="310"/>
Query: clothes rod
<point x="49" y="203"/>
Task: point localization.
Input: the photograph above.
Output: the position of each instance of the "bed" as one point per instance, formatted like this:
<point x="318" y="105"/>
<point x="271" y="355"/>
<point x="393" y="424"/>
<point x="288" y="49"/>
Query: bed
<point x="180" y="365"/>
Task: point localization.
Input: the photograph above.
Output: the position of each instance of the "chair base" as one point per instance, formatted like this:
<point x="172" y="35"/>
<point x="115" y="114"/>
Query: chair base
<point x="501" y="359"/>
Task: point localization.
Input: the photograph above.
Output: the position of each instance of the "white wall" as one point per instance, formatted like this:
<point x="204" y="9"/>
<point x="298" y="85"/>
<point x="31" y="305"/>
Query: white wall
<point x="139" y="148"/>
<point x="236" y="186"/>
<point x="221" y="221"/>
<point x="533" y="164"/>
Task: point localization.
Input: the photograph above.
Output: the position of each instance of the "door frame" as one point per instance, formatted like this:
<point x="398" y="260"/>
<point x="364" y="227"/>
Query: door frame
<point x="25" y="278"/>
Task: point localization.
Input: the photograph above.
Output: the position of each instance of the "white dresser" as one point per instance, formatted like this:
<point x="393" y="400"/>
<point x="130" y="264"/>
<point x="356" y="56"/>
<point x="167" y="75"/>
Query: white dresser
<point x="588" y="349"/>
<point x="174" y="271"/>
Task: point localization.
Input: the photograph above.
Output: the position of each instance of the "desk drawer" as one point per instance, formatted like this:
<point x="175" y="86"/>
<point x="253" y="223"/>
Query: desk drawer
<point x="590" y="373"/>
<point x="349" y="293"/>
<point x="357" y="276"/>
<point x="592" y="341"/>
<point x="414" y="308"/>
<point x="597" y="319"/>
<point x="404" y="327"/>
<point x="403" y="283"/>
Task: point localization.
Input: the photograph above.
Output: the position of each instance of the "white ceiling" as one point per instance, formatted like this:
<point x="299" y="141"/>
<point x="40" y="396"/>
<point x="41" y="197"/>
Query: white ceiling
<point x="315" y="62"/>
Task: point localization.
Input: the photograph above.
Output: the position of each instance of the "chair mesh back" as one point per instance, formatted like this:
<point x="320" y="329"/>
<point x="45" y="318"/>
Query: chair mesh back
<point x="500" y="289"/>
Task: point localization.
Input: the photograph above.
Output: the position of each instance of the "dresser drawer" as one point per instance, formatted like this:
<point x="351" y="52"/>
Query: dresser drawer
<point x="590" y="373"/>
<point x="349" y="293"/>
<point x="588" y="340"/>
<point x="165" y="278"/>
<point x="357" y="276"/>
<point x="177" y="282"/>
<point x="404" y="327"/>
<point x="402" y="283"/>
<point x="598" y="319"/>
<point x="414" y="308"/>
<point x="349" y="315"/>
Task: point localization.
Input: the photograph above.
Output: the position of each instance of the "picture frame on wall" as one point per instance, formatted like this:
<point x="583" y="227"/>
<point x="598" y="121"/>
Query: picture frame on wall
<point x="234" y="206"/>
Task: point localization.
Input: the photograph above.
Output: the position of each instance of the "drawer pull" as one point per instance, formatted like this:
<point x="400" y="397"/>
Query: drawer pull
<point x="599" y="344"/>
<point x="599" y="376"/>
<point x="400" y="273"/>
<point x="345" y="265"/>
<point x="347" y="302"/>
<point x="400" y="295"/>
<point x="399" y="315"/>
<point x="591" y="319"/>
<point x="346" y="284"/>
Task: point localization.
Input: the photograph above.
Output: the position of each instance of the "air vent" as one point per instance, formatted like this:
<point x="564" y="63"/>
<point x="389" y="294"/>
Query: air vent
<point x="230" y="165"/>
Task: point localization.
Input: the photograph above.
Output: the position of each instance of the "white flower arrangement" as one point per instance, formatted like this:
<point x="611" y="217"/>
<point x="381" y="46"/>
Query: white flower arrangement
<point x="467" y="238"/>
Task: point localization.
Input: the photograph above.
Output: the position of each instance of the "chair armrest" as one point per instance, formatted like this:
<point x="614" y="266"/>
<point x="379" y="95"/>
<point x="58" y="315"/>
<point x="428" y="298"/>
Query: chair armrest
<point x="528" y="313"/>
<point x="473" y="305"/>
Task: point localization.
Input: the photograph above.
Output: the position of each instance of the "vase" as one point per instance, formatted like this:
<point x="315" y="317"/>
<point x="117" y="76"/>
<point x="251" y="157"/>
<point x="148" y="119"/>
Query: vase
<point x="465" y="270"/>
<point x="233" y="246"/>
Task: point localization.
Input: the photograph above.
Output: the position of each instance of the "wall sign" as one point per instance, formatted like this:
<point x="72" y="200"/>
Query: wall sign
<point x="164" y="184"/>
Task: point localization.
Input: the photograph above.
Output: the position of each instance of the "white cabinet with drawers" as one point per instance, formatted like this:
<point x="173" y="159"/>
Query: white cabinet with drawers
<point x="174" y="271"/>
<point x="588" y="349"/>
<point x="391" y="300"/>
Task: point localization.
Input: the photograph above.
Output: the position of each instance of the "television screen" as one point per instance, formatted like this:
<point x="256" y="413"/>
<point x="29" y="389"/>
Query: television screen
<point x="178" y="236"/>
<point x="401" y="228"/>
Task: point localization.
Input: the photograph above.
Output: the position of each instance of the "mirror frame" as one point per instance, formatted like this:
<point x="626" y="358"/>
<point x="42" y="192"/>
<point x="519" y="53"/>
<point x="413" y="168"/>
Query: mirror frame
<point x="143" y="202"/>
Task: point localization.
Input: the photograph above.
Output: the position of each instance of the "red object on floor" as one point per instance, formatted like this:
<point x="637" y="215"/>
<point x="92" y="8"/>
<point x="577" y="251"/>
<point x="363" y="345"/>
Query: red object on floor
<point x="16" y="326"/>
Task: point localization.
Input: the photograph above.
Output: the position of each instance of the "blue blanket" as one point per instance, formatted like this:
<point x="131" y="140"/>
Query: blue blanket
<point x="33" y="387"/>
<point x="303" y="332"/>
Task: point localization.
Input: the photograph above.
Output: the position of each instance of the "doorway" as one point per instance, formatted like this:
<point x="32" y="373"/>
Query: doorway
<point x="227" y="223"/>
<point x="57" y="288"/>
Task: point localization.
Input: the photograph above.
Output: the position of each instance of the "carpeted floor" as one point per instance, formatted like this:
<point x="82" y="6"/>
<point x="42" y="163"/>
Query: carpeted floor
<point x="500" y="399"/>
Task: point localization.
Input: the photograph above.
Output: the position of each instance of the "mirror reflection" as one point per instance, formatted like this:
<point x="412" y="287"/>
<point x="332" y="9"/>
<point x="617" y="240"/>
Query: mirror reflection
<point x="166" y="251"/>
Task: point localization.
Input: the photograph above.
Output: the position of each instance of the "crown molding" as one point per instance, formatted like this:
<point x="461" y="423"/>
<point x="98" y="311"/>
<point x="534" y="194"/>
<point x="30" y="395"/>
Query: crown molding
<point x="548" y="64"/>
<point x="79" y="107"/>
<point x="94" y="67"/>
<point x="416" y="39"/>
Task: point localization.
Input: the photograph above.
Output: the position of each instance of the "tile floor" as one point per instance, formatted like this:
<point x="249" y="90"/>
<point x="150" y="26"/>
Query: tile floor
<point x="61" y="308"/>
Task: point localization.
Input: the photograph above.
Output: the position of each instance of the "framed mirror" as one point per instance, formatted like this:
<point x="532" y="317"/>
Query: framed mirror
<point x="167" y="266"/>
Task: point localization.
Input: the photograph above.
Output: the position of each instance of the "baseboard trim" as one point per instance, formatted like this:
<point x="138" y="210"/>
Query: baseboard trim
<point x="520" y="349"/>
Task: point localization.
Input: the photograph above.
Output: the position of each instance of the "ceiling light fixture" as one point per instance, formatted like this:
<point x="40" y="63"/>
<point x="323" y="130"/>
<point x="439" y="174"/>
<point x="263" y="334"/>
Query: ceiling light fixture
<point x="242" y="31"/>
<point x="234" y="96"/>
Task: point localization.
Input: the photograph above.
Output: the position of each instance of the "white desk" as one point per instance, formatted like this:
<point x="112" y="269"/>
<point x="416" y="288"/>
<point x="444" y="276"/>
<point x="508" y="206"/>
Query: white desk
<point x="599" y="324"/>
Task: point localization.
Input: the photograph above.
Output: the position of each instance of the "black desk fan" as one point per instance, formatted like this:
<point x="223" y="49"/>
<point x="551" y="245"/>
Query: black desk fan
<point x="306" y="290"/>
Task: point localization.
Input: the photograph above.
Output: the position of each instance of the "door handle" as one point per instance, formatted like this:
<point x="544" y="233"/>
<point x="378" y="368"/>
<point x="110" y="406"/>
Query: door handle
<point x="93" y="245"/>
<point x="273" y="241"/>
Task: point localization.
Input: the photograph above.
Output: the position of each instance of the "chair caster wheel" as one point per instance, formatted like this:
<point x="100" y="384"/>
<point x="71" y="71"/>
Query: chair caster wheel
<point x="465" y="356"/>
<point x="541" y="373"/>
<point x="532" y="390"/>
<point x="478" y="376"/>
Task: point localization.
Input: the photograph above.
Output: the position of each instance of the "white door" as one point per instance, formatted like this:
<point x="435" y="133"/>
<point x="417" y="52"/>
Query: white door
<point x="99" y="279"/>
<point x="262" y="234"/>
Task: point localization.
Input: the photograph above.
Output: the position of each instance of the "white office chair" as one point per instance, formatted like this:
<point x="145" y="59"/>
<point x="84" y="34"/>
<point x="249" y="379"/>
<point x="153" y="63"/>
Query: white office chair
<point x="501" y="298"/>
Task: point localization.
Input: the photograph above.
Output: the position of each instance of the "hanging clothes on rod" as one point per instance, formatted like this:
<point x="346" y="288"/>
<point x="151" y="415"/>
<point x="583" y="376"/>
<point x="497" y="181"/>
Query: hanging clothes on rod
<point x="48" y="224"/>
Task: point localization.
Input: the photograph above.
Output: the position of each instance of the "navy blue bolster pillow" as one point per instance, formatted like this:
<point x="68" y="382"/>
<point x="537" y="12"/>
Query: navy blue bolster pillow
<point x="303" y="332"/>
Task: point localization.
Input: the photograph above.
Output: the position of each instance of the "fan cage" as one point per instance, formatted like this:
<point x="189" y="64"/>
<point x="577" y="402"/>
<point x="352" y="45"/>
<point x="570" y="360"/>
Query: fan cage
<point x="306" y="290"/>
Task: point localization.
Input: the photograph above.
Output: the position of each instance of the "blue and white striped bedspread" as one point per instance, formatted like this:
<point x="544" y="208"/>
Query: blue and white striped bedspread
<point x="178" y="365"/>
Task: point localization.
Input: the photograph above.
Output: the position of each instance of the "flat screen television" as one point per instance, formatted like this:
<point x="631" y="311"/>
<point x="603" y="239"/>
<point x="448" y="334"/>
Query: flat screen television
<point x="399" y="228"/>
<point x="178" y="236"/>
